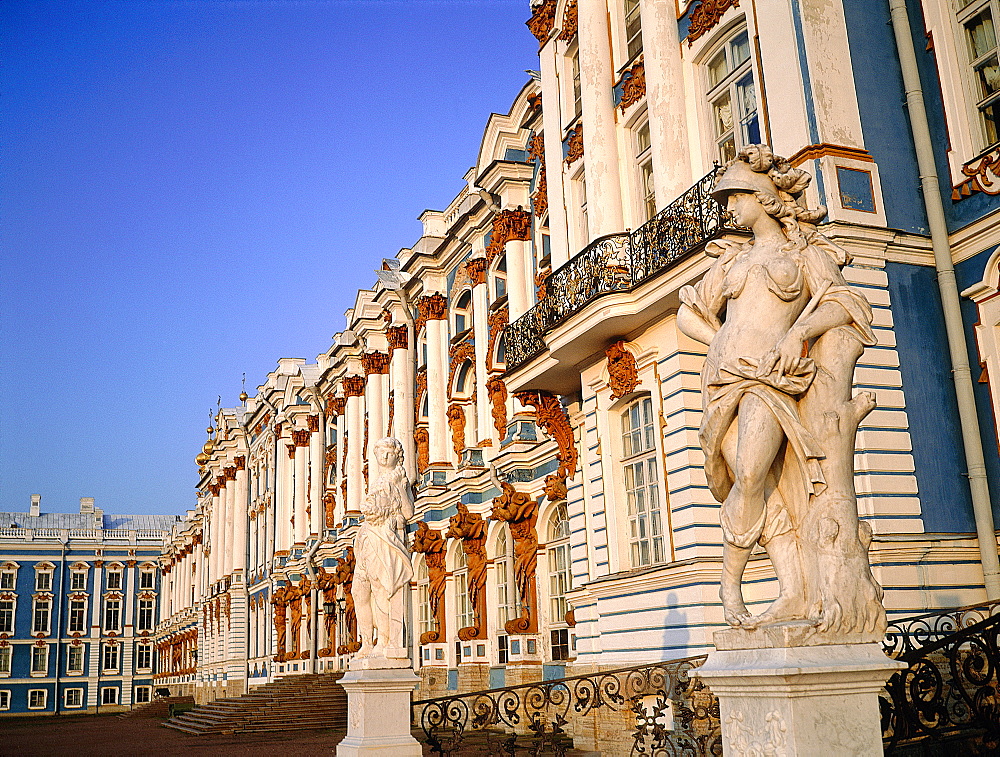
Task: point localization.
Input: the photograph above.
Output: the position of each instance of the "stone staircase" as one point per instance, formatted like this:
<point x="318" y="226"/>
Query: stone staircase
<point x="158" y="708"/>
<point x="299" y="702"/>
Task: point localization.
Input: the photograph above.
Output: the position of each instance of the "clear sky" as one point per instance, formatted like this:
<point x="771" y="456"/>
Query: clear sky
<point x="192" y="189"/>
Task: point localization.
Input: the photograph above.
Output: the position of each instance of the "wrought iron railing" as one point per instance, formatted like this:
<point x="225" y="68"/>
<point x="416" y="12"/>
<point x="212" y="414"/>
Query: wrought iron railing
<point x="671" y="712"/>
<point x="910" y="634"/>
<point x="618" y="262"/>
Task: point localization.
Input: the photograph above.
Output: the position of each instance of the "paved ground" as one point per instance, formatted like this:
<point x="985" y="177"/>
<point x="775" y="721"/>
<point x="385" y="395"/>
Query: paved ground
<point x="110" y="736"/>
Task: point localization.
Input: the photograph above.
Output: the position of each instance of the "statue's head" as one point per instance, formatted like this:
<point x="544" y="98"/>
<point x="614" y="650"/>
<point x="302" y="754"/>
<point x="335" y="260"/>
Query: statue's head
<point x="388" y="452"/>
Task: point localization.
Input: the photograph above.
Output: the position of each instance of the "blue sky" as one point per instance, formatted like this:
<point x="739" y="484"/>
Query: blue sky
<point x="192" y="189"/>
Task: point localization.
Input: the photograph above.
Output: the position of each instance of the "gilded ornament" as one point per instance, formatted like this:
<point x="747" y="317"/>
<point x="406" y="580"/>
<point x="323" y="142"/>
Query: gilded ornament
<point x="569" y="22"/>
<point x="422" y="441"/>
<point x="353" y="385"/>
<point x="554" y="421"/>
<point x="623" y="373"/>
<point x="431" y="307"/>
<point x="375" y="362"/>
<point x="312" y="423"/>
<point x="633" y="85"/>
<point x="431" y="544"/>
<point x="543" y="20"/>
<point x="497" y="391"/>
<point x="574" y="144"/>
<point x="475" y="269"/>
<point x="456" y="421"/>
<point x="508" y="226"/>
<point x="471" y="529"/>
<point x="300" y="437"/>
<point x="520" y="511"/>
<point x="706" y="15"/>
<point x="984" y="176"/>
<point x="397" y="337"/>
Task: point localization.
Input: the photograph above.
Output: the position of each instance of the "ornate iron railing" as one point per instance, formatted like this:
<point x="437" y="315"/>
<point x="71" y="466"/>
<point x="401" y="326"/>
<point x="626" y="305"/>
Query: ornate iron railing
<point x="910" y="634"/>
<point x="948" y="695"/>
<point x="672" y="714"/>
<point x="617" y="263"/>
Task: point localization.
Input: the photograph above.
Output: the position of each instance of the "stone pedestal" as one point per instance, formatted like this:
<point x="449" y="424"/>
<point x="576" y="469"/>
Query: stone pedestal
<point x="813" y="700"/>
<point x="378" y="710"/>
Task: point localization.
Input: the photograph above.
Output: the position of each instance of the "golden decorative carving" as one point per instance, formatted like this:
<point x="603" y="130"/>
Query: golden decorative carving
<point x="541" y="290"/>
<point x="220" y="481"/>
<point x="312" y="423"/>
<point x="521" y="512"/>
<point x="623" y="373"/>
<point x="375" y="362"/>
<point x="431" y="307"/>
<point x="280" y="625"/>
<point x="431" y="544"/>
<point x="496" y="322"/>
<point x="633" y="85"/>
<point x="574" y="145"/>
<point x="344" y="576"/>
<point x="422" y="441"/>
<point x="353" y="385"/>
<point x="397" y="337"/>
<point x="475" y="269"/>
<point x="555" y="487"/>
<point x="300" y="437"/>
<point x="542" y="21"/>
<point x="278" y="428"/>
<point x="291" y="451"/>
<point x="536" y="148"/>
<point x="552" y="418"/>
<point x="535" y="101"/>
<point x="540" y="197"/>
<point x="335" y="405"/>
<point x="330" y="458"/>
<point x="456" y="421"/>
<point x="705" y="15"/>
<point x="420" y="380"/>
<point x="471" y="529"/>
<point x="392" y="412"/>
<point x="569" y="22"/>
<point x="241" y="462"/>
<point x="229" y="473"/>
<point x="984" y="176"/>
<point x="330" y="508"/>
<point x="508" y="226"/>
<point x="497" y="391"/>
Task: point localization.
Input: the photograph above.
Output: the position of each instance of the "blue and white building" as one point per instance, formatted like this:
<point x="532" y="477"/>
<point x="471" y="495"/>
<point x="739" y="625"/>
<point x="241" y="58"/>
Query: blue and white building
<point x="79" y="600"/>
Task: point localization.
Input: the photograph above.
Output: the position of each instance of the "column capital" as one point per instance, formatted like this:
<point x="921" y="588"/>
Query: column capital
<point x="354" y="386"/>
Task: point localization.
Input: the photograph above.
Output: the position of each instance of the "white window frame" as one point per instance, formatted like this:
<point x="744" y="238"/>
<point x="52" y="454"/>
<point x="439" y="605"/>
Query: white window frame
<point x="630" y="51"/>
<point x="143" y="576"/>
<point x="461" y="315"/>
<point x="142" y="695"/>
<point x="557" y="552"/>
<point x="45" y="699"/>
<point x="643" y="153"/>
<point x="6" y="660"/>
<point x="425" y="619"/>
<point x="39" y="654"/>
<point x="729" y="86"/>
<point x="8" y="578"/>
<point x="145" y="623"/>
<point x="648" y="542"/>
<point x="82" y="615"/>
<point x="142" y="650"/>
<point x="74" y="577"/>
<point x="104" y="695"/>
<point x="35" y="609"/>
<point x="464" y="611"/>
<point x="111" y="652"/>
<point x="508" y="601"/>
<point x="77" y="702"/>
<point x="43" y="579"/>
<point x="119" y="576"/>
<point x="71" y="671"/>
<point x="116" y="627"/>
<point x="572" y="94"/>
<point x="8" y="628"/>
<point x="4" y="699"/>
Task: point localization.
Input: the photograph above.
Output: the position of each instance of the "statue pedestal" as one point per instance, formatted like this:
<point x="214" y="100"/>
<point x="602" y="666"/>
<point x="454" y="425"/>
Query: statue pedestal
<point x="815" y="700"/>
<point x="378" y="710"/>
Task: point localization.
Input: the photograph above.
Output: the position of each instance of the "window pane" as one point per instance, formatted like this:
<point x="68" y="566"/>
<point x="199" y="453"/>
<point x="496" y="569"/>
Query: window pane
<point x="717" y="69"/>
<point x="740" y="50"/>
<point x="988" y="74"/>
<point x="982" y="36"/>
<point x="723" y="115"/>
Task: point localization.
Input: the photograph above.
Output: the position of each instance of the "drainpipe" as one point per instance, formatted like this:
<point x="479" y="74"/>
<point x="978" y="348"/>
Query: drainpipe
<point x="961" y="372"/>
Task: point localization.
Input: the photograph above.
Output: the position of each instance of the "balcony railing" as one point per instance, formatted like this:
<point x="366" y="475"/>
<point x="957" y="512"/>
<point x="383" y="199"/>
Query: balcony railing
<point x="617" y="263"/>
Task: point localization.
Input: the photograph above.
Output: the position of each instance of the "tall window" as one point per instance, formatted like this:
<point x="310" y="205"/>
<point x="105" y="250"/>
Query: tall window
<point x="145" y="615"/>
<point x="425" y="623"/>
<point x="77" y="615"/>
<point x="462" y="310"/>
<point x="574" y="70"/>
<point x="144" y="657"/>
<point x="8" y="579"/>
<point x="732" y="97"/>
<point x="74" y="659"/>
<point x="78" y="580"/>
<point x="642" y="483"/>
<point x="5" y="655"/>
<point x="111" y="657"/>
<point x="462" y="603"/>
<point x="7" y="616"/>
<point x="39" y="660"/>
<point x="579" y="186"/>
<point x="112" y="615"/>
<point x="507" y="599"/>
<point x="500" y="278"/>
<point x="978" y="18"/>
<point x="40" y="616"/>
<point x="644" y="162"/>
<point x="633" y="28"/>
<point x="558" y="553"/>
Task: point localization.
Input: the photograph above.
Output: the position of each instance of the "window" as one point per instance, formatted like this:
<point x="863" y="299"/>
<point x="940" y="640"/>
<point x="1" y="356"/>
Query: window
<point x="462" y="603"/>
<point x="503" y="650"/>
<point x="642" y="483"/>
<point x="558" y="553"/>
<point x="559" y="638"/>
<point x="579" y="186"/>
<point x="508" y="606"/>
<point x="78" y="580"/>
<point x="4" y="699"/>
<point x="144" y="657"/>
<point x="7" y="616"/>
<point x="143" y="694"/>
<point x="574" y="70"/>
<point x="145" y="615"/>
<point x="37" y="699"/>
<point x="463" y="312"/>
<point x="425" y="622"/>
<point x="500" y="278"/>
<point x="732" y="98"/>
<point x="114" y="580"/>
<point x="112" y="614"/>
<point x="644" y="162"/>
<point x="8" y="579"/>
<point x="73" y="698"/>
<point x="111" y="657"/>
<point x="109" y="695"/>
<point x="74" y="659"/>
<point x="633" y="28"/>
<point x="463" y="380"/>
<point x="40" y="660"/>
<point x="43" y="580"/>
<point x="979" y="29"/>
<point x="40" y="617"/>
<point x="77" y="615"/>
<point x="5" y="655"/>
<point x="147" y="580"/>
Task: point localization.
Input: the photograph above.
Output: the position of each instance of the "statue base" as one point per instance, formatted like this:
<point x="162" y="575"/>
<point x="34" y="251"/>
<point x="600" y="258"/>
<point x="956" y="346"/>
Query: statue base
<point x="793" y="633"/>
<point x="378" y="711"/>
<point x="811" y="700"/>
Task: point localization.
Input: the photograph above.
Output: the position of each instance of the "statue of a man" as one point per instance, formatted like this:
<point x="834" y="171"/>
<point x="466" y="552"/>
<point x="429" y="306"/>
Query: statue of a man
<point x="383" y="561"/>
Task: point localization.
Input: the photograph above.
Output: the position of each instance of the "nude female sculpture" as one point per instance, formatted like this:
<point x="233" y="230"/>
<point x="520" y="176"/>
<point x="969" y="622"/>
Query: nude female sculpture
<point x="784" y="332"/>
<point x="383" y="565"/>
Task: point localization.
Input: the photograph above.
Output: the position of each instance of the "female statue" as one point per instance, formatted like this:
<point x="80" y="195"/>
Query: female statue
<point x="784" y="333"/>
<point x="383" y="561"/>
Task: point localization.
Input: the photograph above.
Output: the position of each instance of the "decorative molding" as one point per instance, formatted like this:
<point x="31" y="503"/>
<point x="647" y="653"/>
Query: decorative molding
<point x="475" y="269"/>
<point x="984" y="176"/>
<point x="497" y="391"/>
<point x="375" y="362"/>
<point x="552" y="418"/>
<point x="458" y="354"/>
<point x="574" y="144"/>
<point x="540" y="197"/>
<point x="353" y="385"/>
<point x="823" y="149"/>
<point x="521" y="512"/>
<point x="555" y="487"/>
<point x="422" y="440"/>
<point x="431" y="307"/>
<point x="541" y="288"/>
<point x="543" y="20"/>
<point x="471" y="529"/>
<point x="229" y="473"/>
<point x="431" y="545"/>
<point x="312" y="423"/>
<point x="569" y="22"/>
<point x="623" y="373"/>
<point x="241" y="462"/>
<point x="633" y="83"/>
<point x="335" y="405"/>
<point x="456" y="421"/>
<point x="220" y="481"/>
<point x="706" y="15"/>
<point x="508" y="226"/>
<point x="291" y="451"/>
<point x="397" y="337"/>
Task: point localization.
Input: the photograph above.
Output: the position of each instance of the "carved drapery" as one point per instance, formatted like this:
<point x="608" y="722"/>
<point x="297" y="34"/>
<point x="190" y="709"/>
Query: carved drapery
<point x="543" y="20"/>
<point x="705" y="15"/>
<point x="552" y="418"/>
<point x="521" y="512"/>
<point x="475" y="269"/>
<point x="456" y="422"/>
<point x="422" y="440"/>
<point x="508" y="226"/>
<point x="574" y="145"/>
<point x="431" y="307"/>
<point x="623" y="373"/>
<point x="471" y="529"/>
<point x="633" y="85"/>
<point x="431" y="544"/>
<point x="496" y="321"/>
<point x="375" y="362"/>
<point x="344" y="576"/>
<point x="397" y="337"/>
<point x="497" y="390"/>
<point x="354" y="386"/>
<point x="569" y="22"/>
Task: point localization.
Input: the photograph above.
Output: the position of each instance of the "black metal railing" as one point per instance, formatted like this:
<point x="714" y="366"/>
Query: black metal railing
<point x="617" y="263"/>
<point x="947" y="700"/>
<point x="671" y="713"/>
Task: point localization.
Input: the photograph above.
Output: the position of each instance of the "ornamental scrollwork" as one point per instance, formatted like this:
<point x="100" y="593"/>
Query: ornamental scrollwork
<point x="984" y="176"/>
<point x="633" y="85"/>
<point x="574" y="145"/>
<point x="543" y="20"/>
<point x="471" y="529"/>
<point x="475" y="269"/>
<point x="569" y="22"/>
<point x="397" y="337"/>
<point x="431" y="307"/>
<point x="422" y="441"/>
<point x="705" y="15"/>
<point x="431" y="544"/>
<point x="623" y="373"/>
<point x="508" y="226"/>
<point x="554" y="421"/>
<point x="520" y="511"/>
<point x="353" y="385"/>
<point x="375" y="362"/>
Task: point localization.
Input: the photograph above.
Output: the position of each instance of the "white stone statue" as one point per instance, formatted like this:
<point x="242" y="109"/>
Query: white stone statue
<point x="784" y="333"/>
<point x="383" y="565"/>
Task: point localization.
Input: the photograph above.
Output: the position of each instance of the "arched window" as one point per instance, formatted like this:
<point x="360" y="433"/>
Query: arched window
<point x="559" y="572"/>
<point x="508" y="603"/>
<point x="462" y="311"/>
<point x="463" y="606"/>
<point x="463" y="380"/>
<point x="500" y="278"/>
<point x="642" y="487"/>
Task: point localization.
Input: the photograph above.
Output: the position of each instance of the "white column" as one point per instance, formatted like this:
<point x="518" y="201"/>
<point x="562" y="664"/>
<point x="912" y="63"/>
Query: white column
<point x="228" y="498"/>
<point x="401" y="379"/>
<point x="665" y="100"/>
<point x="283" y="498"/>
<point x="375" y="400"/>
<point x="552" y="137"/>
<point x="240" y="521"/>
<point x="317" y="466"/>
<point x="437" y="390"/>
<point x="355" y="452"/>
<point x="301" y="528"/>
<point x="341" y="508"/>
<point x="600" y="143"/>
<point x="480" y="326"/>
<point x="214" y="542"/>
<point x="520" y="278"/>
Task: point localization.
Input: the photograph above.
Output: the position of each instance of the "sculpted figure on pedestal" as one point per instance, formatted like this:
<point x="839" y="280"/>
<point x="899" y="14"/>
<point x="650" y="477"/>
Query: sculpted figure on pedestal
<point x="784" y="332"/>
<point x="383" y="561"/>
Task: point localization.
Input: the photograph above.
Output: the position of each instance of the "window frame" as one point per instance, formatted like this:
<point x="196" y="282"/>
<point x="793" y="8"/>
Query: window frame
<point x="558" y="563"/>
<point x="728" y="85"/>
<point x="147" y="574"/>
<point x="39" y="664"/>
<point x="8" y="578"/>
<point x="147" y="692"/>
<point x="970" y="80"/>
<point x="142" y="650"/>
<point x="81" y="651"/>
<point x="70" y="705"/>
<point x="464" y="611"/>
<point x="4" y="699"/>
<point x="644" y="169"/>
<point x="7" y="658"/>
<point x="119" y="576"/>
<point x="145" y="614"/>
<point x="629" y="37"/>
<point x="104" y="696"/>
<point x="36" y="609"/>
<point x="43" y="579"/>
<point x="45" y="699"/>
<point x="644" y="460"/>
<point x="111" y="651"/>
<point x="507" y="599"/>
<point x="105" y="616"/>
<point x="76" y="615"/>
<point x="73" y="580"/>
<point x="8" y="614"/>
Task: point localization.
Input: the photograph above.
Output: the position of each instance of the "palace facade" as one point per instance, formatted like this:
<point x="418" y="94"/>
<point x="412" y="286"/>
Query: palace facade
<point x="525" y="352"/>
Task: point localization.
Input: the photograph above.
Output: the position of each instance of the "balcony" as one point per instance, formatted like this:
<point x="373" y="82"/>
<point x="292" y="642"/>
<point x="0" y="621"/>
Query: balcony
<point x="619" y="263"/>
